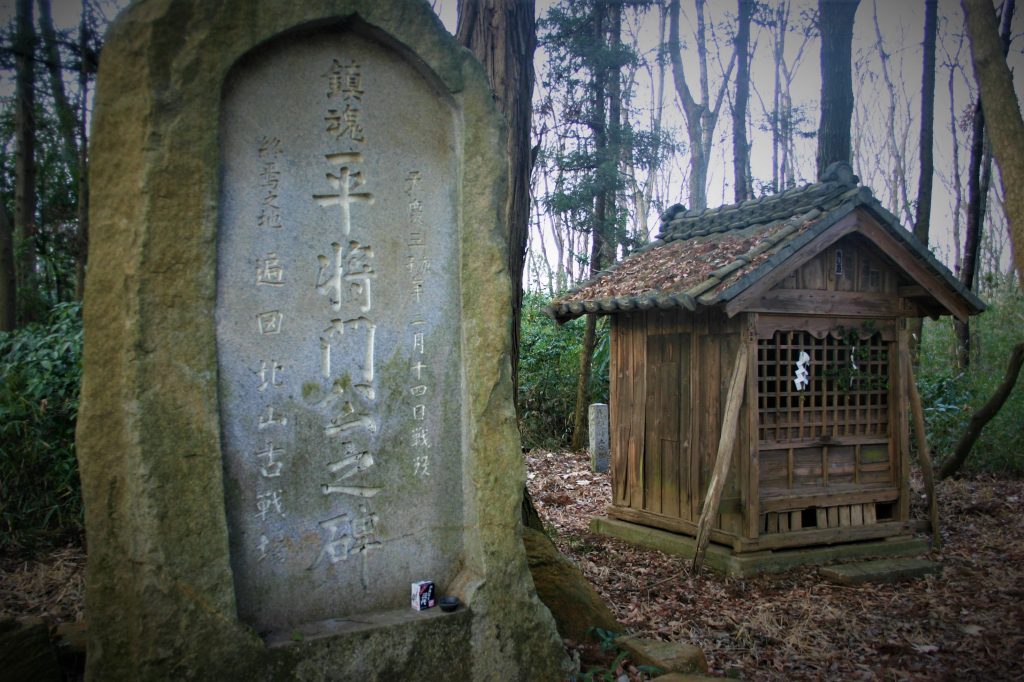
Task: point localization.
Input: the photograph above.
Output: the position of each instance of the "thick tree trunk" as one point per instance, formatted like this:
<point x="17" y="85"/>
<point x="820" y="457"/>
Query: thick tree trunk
<point x="24" y="162"/>
<point x="1002" y="111"/>
<point x="926" y="161"/>
<point x="741" y="154"/>
<point x="502" y="34"/>
<point x="835" y="18"/>
<point x="983" y="416"/>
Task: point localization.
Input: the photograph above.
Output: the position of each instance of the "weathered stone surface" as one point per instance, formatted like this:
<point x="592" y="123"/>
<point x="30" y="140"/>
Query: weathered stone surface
<point x="684" y="677"/>
<point x="597" y="430"/>
<point x="575" y="605"/>
<point x="26" y="653"/>
<point x="337" y="290"/>
<point x="671" y="657"/>
<point x="879" y="571"/>
<point x="153" y="439"/>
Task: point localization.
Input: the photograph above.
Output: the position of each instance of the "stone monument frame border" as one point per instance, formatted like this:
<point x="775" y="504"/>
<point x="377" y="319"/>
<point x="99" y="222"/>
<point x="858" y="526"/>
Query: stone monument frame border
<point x="149" y="436"/>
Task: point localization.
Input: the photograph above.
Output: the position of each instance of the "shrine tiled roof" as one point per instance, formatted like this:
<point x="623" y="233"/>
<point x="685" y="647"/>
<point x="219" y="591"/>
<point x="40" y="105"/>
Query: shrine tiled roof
<point x="707" y="257"/>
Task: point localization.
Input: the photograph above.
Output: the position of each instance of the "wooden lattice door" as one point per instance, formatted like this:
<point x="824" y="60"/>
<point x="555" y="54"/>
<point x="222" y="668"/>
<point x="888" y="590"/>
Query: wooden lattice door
<point x="824" y="418"/>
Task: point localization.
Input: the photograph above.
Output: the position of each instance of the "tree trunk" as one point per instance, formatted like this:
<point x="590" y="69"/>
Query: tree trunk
<point x="1002" y="112"/>
<point x="502" y="34"/>
<point x="24" y="163"/>
<point x="983" y="416"/>
<point x="741" y="154"/>
<point x="972" y="228"/>
<point x="979" y="176"/>
<point x="8" y="286"/>
<point x="84" y="71"/>
<point x="835" y="18"/>
<point x="598" y="126"/>
<point x="926" y="161"/>
<point x="701" y="117"/>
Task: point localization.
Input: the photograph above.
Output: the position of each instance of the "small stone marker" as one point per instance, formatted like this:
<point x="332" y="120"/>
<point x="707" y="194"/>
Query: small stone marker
<point x="295" y="402"/>
<point x="670" y="657"/>
<point x="598" y="431"/>
<point x="879" y="571"/>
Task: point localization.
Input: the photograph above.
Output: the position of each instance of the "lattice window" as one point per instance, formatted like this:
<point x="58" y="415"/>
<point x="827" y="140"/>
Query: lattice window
<point x="847" y="390"/>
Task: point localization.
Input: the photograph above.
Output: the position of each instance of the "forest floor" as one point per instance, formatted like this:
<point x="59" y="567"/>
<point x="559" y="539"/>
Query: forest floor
<point x="966" y="623"/>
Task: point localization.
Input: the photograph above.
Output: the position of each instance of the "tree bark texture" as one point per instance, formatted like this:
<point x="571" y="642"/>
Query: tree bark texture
<point x="979" y="177"/>
<point x="740" y="151"/>
<point x="983" y="416"/>
<point x="927" y="164"/>
<point x="835" y="20"/>
<point x="24" y="162"/>
<point x="502" y="34"/>
<point x="1002" y="111"/>
<point x="926" y="161"/>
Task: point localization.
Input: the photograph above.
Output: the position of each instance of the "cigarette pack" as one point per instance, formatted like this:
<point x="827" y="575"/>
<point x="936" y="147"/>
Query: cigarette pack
<point x="423" y="595"/>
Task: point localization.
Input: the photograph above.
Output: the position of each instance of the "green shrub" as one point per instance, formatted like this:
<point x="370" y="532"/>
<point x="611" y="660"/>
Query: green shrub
<point x="40" y="499"/>
<point x="950" y="396"/>
<point x="549" y="363"/>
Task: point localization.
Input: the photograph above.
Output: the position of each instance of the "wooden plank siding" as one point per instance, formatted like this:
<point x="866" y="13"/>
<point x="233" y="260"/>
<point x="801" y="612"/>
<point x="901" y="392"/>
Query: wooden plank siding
<point x="831" y="468"/>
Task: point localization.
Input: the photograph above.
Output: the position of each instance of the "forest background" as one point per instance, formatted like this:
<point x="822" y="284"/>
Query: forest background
<point x="685" y="118"/>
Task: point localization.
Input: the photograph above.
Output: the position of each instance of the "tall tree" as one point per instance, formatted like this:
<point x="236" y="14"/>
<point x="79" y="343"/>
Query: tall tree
<point x="502" y="34"/>
<point x="926" y="140"/>
<point x="927" y="164"/>
<point x="701" y="115"/>
<point x="25" y="163"/>
<point x="605" y="126"/>
<point x="979" y="176"/>
<point x="8" y="285"/>
<point x="1002" y="111"/>
<point x="741" y="153"/>
<point x="835" y="23"/>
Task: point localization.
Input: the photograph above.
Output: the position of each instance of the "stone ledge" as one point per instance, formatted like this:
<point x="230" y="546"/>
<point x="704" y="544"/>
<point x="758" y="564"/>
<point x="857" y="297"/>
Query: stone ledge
<point x="670" y="657"/>
<point x="333" y="627"/>
<point x="879" y="571"/>
<point x="723" y="560"/>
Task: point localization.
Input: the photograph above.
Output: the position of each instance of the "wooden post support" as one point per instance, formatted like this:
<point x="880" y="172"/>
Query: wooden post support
<point x="725" y="447"/>
<point x="923" y="455"/>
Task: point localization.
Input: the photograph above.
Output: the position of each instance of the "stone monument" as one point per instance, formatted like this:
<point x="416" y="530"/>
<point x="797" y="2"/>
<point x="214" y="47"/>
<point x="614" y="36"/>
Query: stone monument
<point x="296" y="398"/>
<point x="600" y="454"/>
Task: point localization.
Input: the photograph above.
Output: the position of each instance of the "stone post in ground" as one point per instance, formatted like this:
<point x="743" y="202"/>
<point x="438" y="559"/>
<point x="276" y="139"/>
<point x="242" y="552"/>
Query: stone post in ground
<point x="598" y="430"/>
<point x="296" y="399"/>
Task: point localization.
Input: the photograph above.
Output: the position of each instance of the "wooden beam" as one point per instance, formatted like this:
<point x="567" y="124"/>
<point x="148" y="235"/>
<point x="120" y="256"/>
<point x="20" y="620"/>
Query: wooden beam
<point x="725" y="447"/>
<point x="845" y="303"/>
<point x="923" y="455"/>
<point x="915" y="269"/>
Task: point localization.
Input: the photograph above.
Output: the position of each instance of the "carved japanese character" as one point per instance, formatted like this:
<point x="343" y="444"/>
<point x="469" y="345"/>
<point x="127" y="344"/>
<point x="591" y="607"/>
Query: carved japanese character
<point x="345" y="182"/>
<point x="345" y="80"/>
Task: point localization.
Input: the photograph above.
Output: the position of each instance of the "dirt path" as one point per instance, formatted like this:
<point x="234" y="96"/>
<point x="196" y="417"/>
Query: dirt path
<point x="965" y="624"/>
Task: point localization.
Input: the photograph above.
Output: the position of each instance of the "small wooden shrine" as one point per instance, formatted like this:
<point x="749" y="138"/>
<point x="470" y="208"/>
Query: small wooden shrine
<point x="798" y="302"/>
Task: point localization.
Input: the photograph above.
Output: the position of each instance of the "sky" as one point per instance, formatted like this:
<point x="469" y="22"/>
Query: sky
<point x="901" y="25"/>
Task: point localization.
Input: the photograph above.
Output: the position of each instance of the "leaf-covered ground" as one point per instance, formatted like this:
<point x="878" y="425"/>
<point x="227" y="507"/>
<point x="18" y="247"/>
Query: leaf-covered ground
<point x="966" y="623"/>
